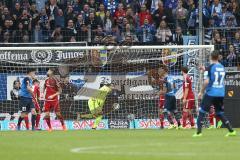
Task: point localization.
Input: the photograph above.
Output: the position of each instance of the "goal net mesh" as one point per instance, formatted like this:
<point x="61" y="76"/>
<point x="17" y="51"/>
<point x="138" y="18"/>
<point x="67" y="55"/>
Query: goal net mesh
<point x="81" y="71"/>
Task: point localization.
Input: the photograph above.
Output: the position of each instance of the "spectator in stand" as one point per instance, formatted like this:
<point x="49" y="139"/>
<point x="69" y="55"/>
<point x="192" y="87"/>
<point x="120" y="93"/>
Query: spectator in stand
<point x="40" y="4"/>
<point x="236" y="11"/>
<point x="128" y="41"/>
<point x="227" y="18"/>
<point x="217" y="40"/>
<point x="120" y="13"/>
<point x="163" y="34"/>
<point x="99" y="37"/>
<point x="57" y="35"/>
<point x="60" y="19"/>
<point x="101" y="12"/>
<point x="130" y="17"/>
<point x="172" y="4"/>
<point x="34" y="14"/>
<point x="37" y="33"/>
<point x="6" y="37"/>
<point x="181" y="15"/>
<point x="18" y="33"/>
<point x="94" y="22"/>
<point x="161" y="14"/>
<point x="52" y="11"/>
<point x="216" y="12"/>
<point x="17" y="11"/>
<point x="147" y="32"/>
<point x="108" y="22"/>
<point x="222" y="60"/>
<point x="236" y="42"/>
<point x="86" y="11"/>
<point x="144" y="14"/>
<point x="69" y="13"/>
<point x="116" y="33"/>
<point x="82" y="33"/>
<point x="70" y="31"/>
<point x="79" y="22"/>
<point x="26" y="20"/>
<point x="92" y="5"/>
<point x="7" y="27"/>
<point x="5" y="14"/>
<point x="15" y="91"/>
<point x="231" y="57"/>
<point x="129" y="32"/>
<point x="192" y="17"/>
<point x="177" y="37"/>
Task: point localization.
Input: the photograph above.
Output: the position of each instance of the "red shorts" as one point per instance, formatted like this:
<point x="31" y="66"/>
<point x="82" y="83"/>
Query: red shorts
<point x="51" y="105"/>
<point x="190" y="104"/>
<point x="161" y="101"/>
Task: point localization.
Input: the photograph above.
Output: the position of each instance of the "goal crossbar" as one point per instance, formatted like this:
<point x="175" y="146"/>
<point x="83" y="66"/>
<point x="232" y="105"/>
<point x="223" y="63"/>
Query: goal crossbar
<point x="211" y="47"/>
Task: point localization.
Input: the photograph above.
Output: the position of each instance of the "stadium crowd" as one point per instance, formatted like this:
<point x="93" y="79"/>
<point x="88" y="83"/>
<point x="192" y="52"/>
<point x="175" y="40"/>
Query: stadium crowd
<point x="122" y="21"/>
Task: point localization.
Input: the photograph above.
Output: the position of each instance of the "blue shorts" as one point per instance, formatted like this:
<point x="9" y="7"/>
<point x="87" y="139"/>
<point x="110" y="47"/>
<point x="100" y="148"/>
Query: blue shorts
<point x="170" y="103"/>
<point x="26" y="104"/>
<point x="209" y="101"/>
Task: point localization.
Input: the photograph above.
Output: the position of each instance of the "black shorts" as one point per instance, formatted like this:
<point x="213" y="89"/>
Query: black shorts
<point x="170" y="103"/>
<point x="209" y="101"/>
<point x="26" y="104"/>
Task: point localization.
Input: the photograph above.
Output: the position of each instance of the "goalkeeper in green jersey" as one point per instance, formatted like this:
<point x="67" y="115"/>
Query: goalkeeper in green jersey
<point x="102" y="102"/>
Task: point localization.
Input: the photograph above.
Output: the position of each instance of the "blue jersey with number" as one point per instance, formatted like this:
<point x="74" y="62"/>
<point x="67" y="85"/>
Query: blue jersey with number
<point x="216" y="75"/>
<point x="170" y="85"/>
<point x="23" y="91"/>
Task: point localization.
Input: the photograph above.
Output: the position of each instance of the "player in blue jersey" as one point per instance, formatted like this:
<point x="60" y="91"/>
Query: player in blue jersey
<point x="214" y="92"/>
<point x="170" y="107"/>
<point x="26" y="104"/>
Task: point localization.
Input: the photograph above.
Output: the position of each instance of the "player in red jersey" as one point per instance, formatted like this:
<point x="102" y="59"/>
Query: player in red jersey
<point x="36" y="97"/>
<point x="188" y="98"/>
<point x="155" y="78"/>
<point x="52" y="91"/>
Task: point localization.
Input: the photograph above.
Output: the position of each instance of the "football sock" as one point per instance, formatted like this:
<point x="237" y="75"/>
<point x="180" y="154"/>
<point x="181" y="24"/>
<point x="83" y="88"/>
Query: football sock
<point x="48" y="122"/>
<point x="19" y="121"/>
<point x="33" y="119"/>
<point x="161" y="119"/>
<point x="199" y="122"/>
<point x="184" y="119"/>
<point x="60" y="117"/>
<point x="225" y="121"/>
<point x="97" y="121"/>
<point x="26" y="122"/>
<point x="38" y="120"/>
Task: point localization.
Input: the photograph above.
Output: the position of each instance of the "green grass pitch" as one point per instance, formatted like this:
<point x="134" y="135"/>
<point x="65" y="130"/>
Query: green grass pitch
<point x="119" y="145"/>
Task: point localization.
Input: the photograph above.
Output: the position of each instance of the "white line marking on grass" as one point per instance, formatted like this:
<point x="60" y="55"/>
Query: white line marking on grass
<point x="99" y="150"/>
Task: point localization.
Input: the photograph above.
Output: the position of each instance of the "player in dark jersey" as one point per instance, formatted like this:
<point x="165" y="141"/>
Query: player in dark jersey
<point x="26" y="94"/>
<point x="170" y="107"/>
<point x="214" y="92"/>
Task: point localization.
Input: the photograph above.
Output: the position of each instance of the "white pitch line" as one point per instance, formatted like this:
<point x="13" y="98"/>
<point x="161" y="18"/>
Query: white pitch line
<point x="96" y="150"/>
